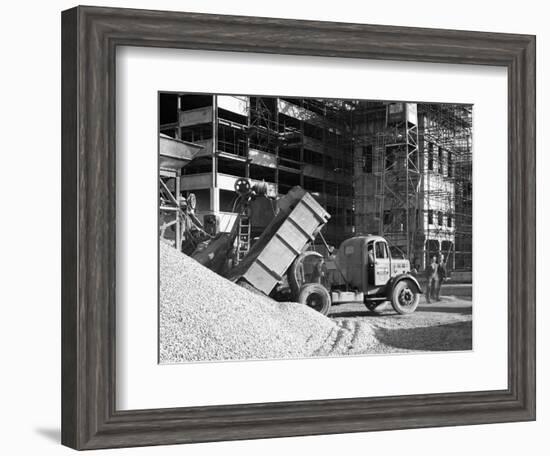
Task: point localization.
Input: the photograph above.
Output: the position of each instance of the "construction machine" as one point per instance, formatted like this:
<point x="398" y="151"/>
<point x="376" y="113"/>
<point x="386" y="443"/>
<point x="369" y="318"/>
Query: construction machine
<point x="224" y="251"/>
<point x="179" y="224"/>
<point x="283" y="263"/>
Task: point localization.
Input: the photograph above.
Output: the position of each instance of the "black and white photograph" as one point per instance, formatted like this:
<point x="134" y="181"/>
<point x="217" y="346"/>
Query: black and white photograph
<point x="310" y="227"/>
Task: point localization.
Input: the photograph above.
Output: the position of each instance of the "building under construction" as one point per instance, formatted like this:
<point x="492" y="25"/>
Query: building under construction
<point x="402" y="170"/>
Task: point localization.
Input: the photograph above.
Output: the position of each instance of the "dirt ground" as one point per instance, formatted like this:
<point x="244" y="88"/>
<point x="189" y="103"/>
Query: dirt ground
<point x="440" y="326"/>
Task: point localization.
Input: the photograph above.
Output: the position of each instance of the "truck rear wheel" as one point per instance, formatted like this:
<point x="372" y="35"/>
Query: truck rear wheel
<point x="404" y="298"/>
<point x="316" y="296"/>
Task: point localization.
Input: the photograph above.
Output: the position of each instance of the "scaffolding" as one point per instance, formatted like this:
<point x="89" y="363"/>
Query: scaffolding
<point x="313" y="149"/>
<point x="397" y="192"/>
<point x="447" y="139"/>
<point x="413" y="179"/>
<point x="401" y="170"/>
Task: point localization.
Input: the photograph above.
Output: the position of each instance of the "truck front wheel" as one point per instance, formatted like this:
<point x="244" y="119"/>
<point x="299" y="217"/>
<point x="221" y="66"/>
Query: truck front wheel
<point x="316" y="296"/>
<point x="404" y="298"/>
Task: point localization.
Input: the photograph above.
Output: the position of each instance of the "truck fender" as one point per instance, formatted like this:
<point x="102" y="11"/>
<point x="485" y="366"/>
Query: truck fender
<point x="401" y="277"/>
<point x="293" y="279"/>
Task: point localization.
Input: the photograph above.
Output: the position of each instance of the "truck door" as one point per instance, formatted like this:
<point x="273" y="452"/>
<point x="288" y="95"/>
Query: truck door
<point x="381" y="263"/>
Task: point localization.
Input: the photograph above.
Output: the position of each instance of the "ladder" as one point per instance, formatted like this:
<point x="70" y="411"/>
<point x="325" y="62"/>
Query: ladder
<point x="243" y="236"/>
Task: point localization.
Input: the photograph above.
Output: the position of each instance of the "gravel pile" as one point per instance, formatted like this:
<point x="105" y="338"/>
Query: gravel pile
<point x="205" y="317"/>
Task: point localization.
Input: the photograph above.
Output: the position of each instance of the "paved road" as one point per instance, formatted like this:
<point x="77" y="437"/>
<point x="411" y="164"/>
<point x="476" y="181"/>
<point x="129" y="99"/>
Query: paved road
<point x="440" y="326"/>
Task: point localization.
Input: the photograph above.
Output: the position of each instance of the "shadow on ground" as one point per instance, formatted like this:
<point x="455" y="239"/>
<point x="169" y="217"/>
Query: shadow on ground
<point x="452" y="336"/>
<point x="355" y="313"/>
<point x="446" y="305"/>
<point x="52" y="434"/>
<point x="458" y="310"/>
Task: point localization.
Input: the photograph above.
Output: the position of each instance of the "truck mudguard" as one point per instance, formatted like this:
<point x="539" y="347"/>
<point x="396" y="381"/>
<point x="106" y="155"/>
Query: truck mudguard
<point x="398" y="278"/>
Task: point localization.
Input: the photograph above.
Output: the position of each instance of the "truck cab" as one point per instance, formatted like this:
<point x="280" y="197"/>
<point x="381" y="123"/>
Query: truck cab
<point x="365" y="264"/>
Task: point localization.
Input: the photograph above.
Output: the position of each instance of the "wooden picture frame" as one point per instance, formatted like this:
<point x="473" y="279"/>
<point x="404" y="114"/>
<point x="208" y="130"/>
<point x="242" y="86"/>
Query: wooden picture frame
<point x="90" y="36"/>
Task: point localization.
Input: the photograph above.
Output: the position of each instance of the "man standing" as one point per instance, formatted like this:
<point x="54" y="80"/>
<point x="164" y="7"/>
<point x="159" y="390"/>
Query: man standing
<point x="431" y="275"/>
<point x="441" y="275"/>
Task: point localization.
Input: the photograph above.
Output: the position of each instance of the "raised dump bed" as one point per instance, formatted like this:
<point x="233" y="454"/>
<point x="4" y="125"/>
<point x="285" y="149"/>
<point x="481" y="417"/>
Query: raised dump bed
<point x="297" y="223"/>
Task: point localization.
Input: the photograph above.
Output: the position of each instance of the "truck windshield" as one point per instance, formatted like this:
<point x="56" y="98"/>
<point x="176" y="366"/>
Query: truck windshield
<point x="397" y="253"/>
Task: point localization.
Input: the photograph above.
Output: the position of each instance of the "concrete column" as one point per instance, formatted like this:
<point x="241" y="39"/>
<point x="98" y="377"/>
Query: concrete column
<point x="178" y="215"/>
<point x="277" y="144"/>
<point x="302" y="154"/>
<point x="178" y="129"/>
<point x="214" y="190"/>
<point x="215" y="199"/>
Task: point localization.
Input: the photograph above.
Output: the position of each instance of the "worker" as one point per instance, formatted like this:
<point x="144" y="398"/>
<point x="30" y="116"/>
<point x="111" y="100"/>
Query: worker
<point x="431" y="275"/>
<point x="415" y="267"/>
<point x="441" y="275"/>
<point x="318" y="273"/>
<point x="370" y="253"/>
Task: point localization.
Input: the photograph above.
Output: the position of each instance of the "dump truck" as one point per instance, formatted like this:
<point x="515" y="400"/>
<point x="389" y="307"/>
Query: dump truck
<point x="283" y="264"/>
